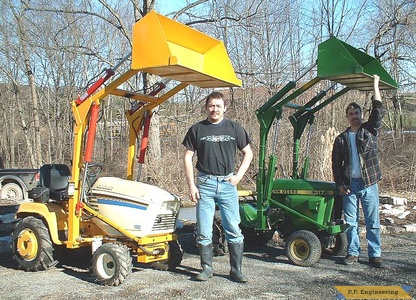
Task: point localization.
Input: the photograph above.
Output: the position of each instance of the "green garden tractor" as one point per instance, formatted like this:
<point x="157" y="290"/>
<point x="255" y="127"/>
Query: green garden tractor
<point x="305" y="213"/>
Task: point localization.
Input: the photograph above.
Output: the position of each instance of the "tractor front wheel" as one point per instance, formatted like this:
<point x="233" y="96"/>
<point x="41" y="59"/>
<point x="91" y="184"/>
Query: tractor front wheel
<point x="111" y="264"/>
<point x="32" y="245"/>
<point x="339" y="246"/>
<point x="303" y="248"/>
<point x="174" y="260"/>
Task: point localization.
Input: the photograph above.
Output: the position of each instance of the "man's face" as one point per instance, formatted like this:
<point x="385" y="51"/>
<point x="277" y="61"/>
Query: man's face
<point x="215" y="110"/>
<point x="354" y="116"/>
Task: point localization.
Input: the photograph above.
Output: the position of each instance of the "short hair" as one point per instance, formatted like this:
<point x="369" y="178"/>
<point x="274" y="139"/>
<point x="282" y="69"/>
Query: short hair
<point x="215" y="95"/>
<point x="352" y="105"/>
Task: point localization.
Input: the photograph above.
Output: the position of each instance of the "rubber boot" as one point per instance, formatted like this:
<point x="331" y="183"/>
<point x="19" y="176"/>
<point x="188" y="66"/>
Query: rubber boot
<point x="236" y="259"/>
<point x="205" y="253"/>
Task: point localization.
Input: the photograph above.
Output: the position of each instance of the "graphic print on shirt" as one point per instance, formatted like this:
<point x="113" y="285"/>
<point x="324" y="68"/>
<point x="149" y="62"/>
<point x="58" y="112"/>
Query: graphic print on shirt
<point x="217" y="138"/>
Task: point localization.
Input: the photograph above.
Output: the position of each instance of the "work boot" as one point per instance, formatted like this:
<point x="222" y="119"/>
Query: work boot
<point x="376" y="262"/>
<point x="350" y="259"/>
<point x="205" y="253"/>
<point x="236" y="259"/>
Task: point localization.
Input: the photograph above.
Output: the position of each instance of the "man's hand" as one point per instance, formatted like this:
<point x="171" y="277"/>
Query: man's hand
<point x="344" y="190"/>
<point x="376" y="80"/>
<point x="194" y="194"/>
<point x="377" y="95"/>
<point x="234" y="180"/>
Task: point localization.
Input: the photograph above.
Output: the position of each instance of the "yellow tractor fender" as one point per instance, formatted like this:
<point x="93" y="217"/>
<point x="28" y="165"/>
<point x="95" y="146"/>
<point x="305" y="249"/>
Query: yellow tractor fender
<point x="52" y="214"/>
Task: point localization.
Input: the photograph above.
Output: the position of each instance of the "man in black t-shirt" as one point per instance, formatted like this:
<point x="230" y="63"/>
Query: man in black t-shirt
<point x="215" y="142"/>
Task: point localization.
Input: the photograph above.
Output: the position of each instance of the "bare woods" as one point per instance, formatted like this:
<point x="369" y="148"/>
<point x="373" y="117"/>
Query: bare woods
<point x="49" y="54"/>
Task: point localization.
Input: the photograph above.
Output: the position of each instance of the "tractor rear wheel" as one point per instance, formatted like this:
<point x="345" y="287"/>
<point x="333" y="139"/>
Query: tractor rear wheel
<point x="303" y="248"/>
<point x="219" y="243"/>
<point x="32" y="245"/>
<point x="174" y="260"/>
<point x="340" y="245"/>
<point x="111" y="264"/>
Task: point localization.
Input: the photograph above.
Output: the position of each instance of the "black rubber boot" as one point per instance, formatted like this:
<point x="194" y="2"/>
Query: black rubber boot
<point x="236" y="259"/>
<point x="205" y="253"/>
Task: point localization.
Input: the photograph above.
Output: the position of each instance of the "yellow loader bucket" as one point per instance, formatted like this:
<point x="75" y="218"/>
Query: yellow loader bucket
<point x="167" y="48"/>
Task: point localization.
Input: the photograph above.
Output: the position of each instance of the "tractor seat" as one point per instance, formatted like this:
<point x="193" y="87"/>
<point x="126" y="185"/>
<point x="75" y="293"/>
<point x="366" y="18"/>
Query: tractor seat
<point x="53" y="183"/>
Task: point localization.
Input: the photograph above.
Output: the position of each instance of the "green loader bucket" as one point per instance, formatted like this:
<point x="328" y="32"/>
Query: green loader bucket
<point x="344" y="64"/>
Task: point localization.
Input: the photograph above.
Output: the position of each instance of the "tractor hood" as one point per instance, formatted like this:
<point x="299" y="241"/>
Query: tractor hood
<point x="140" y="208"/>
<point x="303" y="187"/>
<point x="130" y="190"/>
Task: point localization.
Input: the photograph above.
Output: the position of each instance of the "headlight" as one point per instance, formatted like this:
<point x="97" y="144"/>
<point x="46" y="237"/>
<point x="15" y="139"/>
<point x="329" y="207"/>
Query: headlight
<point x="71" y="189"/>
<point x="171" y="206"/>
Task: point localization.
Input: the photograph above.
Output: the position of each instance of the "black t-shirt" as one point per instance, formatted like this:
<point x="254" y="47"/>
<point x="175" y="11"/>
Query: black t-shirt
<point x="216" y="145"/>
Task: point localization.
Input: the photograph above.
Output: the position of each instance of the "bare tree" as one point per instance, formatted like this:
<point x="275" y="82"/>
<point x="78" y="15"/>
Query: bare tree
<point x="269" y="42"/>
<point x="394" y="37"/>
<point x="20" y="18"/>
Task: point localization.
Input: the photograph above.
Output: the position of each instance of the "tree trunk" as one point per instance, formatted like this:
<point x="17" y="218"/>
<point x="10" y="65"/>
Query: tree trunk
<point x="32" y="86"/>
<point x="25" y="132"/>
<point x="155" y="152"/>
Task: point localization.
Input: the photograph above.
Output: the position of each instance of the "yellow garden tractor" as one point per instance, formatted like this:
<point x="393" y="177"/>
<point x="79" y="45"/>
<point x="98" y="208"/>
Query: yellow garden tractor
<point x="119" y="218"/>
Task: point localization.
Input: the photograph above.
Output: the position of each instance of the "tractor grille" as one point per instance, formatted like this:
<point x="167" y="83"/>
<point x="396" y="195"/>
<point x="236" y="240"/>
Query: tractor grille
<point x="92" y="202"/>
<point x="164" y="222"/>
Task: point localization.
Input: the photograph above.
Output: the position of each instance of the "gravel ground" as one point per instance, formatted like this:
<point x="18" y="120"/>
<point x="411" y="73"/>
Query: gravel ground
<point x="269" y="272"/>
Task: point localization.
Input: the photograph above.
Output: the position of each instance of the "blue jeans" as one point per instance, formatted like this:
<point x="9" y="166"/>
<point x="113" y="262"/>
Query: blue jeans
<point x="212" y="190"/>
<point x="370" y="205"/>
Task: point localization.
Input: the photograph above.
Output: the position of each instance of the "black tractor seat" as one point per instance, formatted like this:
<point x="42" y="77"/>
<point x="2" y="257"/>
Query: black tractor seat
<point x="53" y="183"/>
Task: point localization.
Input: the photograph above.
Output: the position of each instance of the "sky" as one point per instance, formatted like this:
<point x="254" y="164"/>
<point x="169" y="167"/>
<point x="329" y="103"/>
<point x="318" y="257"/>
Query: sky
<point x="167" y="6"/>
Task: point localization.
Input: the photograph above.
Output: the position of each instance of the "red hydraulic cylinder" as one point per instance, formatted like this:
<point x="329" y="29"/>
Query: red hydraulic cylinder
<point x="108" y="73"/>
<point x="89" y="149"/>
<point x="95" y="86"/>
<point x="145" y="138"/>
